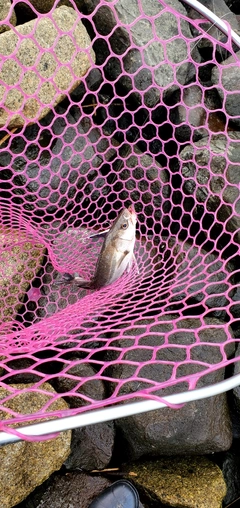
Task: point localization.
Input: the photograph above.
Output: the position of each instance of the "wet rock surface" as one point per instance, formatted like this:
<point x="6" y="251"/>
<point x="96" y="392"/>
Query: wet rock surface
<point x="26" y="465"/>
<point x="158" y="74"/>
<point x="236" y="390"/>
<point x="91" y="447"/>
<point x="187" y="482"/>
<point x="210" y="185"/>
<point x="226" y="78"/>
<point x="200" y="427"/>
<point x="72" y="490"/>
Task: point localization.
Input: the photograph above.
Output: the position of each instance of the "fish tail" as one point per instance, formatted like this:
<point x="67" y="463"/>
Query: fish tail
<point x="74" y="279"/>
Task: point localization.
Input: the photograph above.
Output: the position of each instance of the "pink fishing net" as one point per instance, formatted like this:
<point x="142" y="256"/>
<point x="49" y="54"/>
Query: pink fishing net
<point x="103" y="105"/>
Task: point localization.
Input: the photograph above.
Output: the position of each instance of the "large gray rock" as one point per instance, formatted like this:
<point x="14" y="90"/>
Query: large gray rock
<point x="76" y="388"/>
<point x="32" y="96"/>
<point x="217" y="189"/>
<point x="199" y="427"/>
<point x="136" y="22"/>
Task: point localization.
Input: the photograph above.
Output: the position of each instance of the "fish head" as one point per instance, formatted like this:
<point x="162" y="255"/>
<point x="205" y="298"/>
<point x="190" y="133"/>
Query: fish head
<point x="124" y="227"/>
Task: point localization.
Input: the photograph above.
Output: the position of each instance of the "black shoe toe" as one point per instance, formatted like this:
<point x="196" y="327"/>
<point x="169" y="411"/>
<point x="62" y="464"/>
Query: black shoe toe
<point x="121" y="494"/>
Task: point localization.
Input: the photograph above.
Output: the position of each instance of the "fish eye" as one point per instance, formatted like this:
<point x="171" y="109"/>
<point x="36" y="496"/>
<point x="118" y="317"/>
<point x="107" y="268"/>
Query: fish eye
<point x="124" y="225"/>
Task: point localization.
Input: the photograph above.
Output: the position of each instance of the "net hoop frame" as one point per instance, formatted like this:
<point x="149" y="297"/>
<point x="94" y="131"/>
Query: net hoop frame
<point x="43" y="429"/>
<point x="51" y="428"/>
<point x="218" y="22"/>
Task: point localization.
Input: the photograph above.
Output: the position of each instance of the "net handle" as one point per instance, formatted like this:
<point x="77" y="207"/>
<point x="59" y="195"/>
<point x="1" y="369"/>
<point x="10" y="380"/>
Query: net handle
<point x="218" y="22"/>
<point x="115" y="412"/>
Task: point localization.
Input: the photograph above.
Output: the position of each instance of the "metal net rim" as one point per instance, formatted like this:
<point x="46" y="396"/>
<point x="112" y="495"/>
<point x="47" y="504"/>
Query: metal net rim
<point x="50" y="428"/>
<point x="210" y="16"/>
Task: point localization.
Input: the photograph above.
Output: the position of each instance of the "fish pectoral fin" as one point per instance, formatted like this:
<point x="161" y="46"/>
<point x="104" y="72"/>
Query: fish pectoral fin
<point x="135" y="261"/>
<point x="130" y="263"/>
<point x="122" y="257"/>
<point x="82" y="283"/>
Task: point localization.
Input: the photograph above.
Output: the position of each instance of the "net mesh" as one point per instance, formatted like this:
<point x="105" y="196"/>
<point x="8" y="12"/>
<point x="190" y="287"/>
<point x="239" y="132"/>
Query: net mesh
<point x="103" y="106"/>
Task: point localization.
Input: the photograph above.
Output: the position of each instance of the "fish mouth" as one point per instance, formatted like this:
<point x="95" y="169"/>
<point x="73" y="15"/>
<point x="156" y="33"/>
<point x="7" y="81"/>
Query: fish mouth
<point x="131" y="210"/>
<point x="133" y="216"/>
<point x="130" y="214"/>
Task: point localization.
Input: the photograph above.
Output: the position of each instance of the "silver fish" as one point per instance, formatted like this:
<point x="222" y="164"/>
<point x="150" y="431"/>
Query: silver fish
<point x="116" y="254"/>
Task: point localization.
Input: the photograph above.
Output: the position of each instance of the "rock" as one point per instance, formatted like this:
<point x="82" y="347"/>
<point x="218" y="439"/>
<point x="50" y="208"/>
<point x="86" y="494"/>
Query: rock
<point x="226" y="76"/>
<point x="21" y="259"/>
<point x="5" y="6"/>
<point x="217" y="190"/>
<point x="210" y="291"/>
<point x="77" y="385"/>
<point x="23" y="375"/>
<point x="137" y="23"/>
<point x="230" y="465"/>
<point x="53" y="181"/>
<point x="36" y="81"/>
<point x="56" y="296"/>
<point x="73" y="490"/>
<point x="74" y="170"/>
<point x="145" y="179"/>
<point x="138" y="171"/>
<point x="193" y="115"/>
<point x="44" y="6"/>
<point x="199" y="427"/>
<point x="91" y="447"/>
<point x="200" y="279"/>
<point x="35" y="461"/>
<point x="236" y="390"/>
<point x="187" y="482"/>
